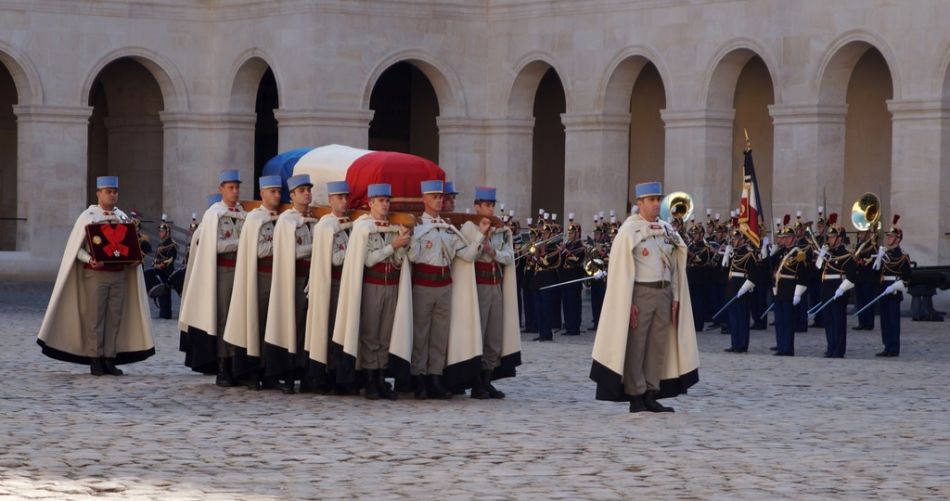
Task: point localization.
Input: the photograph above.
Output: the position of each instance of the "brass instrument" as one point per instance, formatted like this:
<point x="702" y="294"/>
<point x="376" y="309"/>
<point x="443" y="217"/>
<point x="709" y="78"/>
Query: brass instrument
<point x="866" y="216"/>
<point x="677" y="205"/>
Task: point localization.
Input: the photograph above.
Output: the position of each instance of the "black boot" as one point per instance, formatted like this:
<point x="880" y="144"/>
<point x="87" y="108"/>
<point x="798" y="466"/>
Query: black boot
<point x="649" y="401"/>
<point x="95" y="366"/>
<point x="492" y="391"/>
<point x="108" y="365"/>
<point x="385" y="390"/>
<point x="478" y="388"/>
<point x="287" y="386"/>
<point x="436" y="390"/>
<point x="636" y="404"/>
<point x="419" y="384"/>
<point x="224" y="379"/>
<point x="269" y="382"/>
<point x="371" y="389"/>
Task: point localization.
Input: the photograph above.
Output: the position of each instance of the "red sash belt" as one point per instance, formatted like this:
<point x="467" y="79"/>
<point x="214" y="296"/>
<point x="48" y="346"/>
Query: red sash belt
<point x="431" y="276"/>
<point x="487" y="273"/>
<point x="303" y="267"/>
<point x="384" y="273"/>
<point x="336" y="273"/>
<point x="227" y="259"/>
<point x="265" y="264"/>
<point x="105" y="267"/>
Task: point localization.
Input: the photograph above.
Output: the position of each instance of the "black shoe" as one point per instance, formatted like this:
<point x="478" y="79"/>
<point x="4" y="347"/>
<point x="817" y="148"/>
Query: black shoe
<point x="773" y="348"/>
<point x="95" y="366"/>
<point x="251" y="383"/>
<point x="636" y="404"/>
<point x="882" y="354"/>
<point x="492" y="391"/>
<point x="371" y="390"/>
<point x="385" y="391"/>
<point x="287" y="386"/>
<point x="730" y="350"/>
<point x="649" y="401"/>
<point x="436" y="390"/>
<point x="542" y="339"/>
<point x="478" y="388"/>
<point x="269" y="383"/>
<point x="742" y="350"/>
<point x="419" y="382"/>
<point x="759" y="327"/>
<point x="108" y="365"/>
<point x="224" y="379"/>
<point x="827" y="355"/>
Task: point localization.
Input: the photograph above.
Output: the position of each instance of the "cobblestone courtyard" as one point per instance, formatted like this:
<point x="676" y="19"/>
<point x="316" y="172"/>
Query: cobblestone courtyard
<point x="755" y="426"/>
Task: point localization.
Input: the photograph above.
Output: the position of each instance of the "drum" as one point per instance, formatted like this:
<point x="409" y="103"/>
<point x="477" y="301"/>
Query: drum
<point x="155" y="283"/>
<point x="177" y="280"/>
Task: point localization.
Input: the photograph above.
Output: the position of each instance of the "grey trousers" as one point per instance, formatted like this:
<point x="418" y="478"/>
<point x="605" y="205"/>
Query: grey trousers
<point x="431" y="309"/>
<point x="263" y="300"/>
<point x="377" y="312"/>
<point x="225" y="278"/>
<point x="100" y="310"/>
<point x="491" y="309"/>
<point x="646" y="345"/>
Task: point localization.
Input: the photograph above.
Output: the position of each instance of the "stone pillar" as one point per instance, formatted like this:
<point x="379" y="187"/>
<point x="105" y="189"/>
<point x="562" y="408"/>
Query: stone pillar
<point x="51" y="181"/>
<point x="462" y="155"/>
<point x="920" y="177"/>
<point x="135" y="155"/>
<point x="320" y="127"/>
<point x="508" y="162"/>
<point x="699" y="157"/>
<point x="595" y="164"/>
<point x="197" y="147"/>
<point x="809" y="142"/>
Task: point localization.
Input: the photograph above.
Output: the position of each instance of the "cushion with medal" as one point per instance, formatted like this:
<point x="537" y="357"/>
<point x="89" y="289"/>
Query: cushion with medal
<point x="113" y="243"/>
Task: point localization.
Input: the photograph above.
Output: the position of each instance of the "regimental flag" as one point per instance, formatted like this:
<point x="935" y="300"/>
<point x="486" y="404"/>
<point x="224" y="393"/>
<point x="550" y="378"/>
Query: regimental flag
<point x="750" y="205"/>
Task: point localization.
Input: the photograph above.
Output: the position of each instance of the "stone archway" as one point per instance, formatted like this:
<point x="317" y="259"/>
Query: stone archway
<point x="254" y="97"/>
<point x="9" y="222"/>
<point x="405" y="108"/>
<point x="548" y="145"/>
<point x="126" y="136"/>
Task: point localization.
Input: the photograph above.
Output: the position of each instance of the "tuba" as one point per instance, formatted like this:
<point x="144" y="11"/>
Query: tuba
<point x="678" y="205"/>
<point x="866" y="212"/>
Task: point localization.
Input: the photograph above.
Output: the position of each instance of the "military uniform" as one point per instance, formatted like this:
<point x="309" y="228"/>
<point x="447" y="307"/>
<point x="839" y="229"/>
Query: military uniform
<point x="598" y="288"/>
<point x="698" y="268"/>
<point x="867" y="285"/>
<point x="379" y="295"/>
<point x="838" y="273"/>
<point x="572" y="268"/>
<point x="741" y="266"/>
<point x="895" y="273"/>
<point x="545" y="264"/>
<point x="165" y="255"/>
<point x="791" y="275"/>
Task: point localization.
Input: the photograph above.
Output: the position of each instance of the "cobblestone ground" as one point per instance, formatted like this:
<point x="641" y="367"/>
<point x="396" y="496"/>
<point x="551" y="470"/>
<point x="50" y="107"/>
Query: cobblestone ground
<point x="756" y="426"/>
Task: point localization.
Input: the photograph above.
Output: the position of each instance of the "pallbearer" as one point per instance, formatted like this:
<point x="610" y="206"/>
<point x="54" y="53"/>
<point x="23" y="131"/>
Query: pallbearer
<point x="207" y="295"/>
<point x="98" y="313"/>
<point x="284" y="354"/>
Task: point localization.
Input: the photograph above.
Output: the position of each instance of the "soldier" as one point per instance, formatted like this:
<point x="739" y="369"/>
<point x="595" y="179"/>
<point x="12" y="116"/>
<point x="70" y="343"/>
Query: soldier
<point x="545" y="262"/>
<point x="800" y="311"/>
<point x="448" y="198"/>
<point x="164" y="264"/>
<point x="284" y="351"/>
<point x="98" y="313"/>
<point x="895" y="272"/>
<point x="741" y="264"/>
<point x="574" y="254"/>
<point x="493" y="268"/>
<point x="525" y="261"/>
<point x="658" y="343"/>
<point x="208" y="287"/>
<point x="330" y="238"/>
<point x="433" y="247"/>
<point x="698" y="267"/>
<point x="838" y="275"/>
<point x="250" y="295"/>
<point x="791" y="277"/>
<point x="868" y="279"/>
<point x="598" y="257"/>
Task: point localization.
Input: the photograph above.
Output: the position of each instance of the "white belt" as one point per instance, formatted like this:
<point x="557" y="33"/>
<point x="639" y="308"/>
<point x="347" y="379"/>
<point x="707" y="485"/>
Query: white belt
<point x="831" y="277"/>
<point x="889" y="278"/>
<point x="736" y="274"/>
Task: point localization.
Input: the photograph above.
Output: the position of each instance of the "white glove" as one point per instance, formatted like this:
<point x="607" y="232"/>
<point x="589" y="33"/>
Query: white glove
<point x="894" y="288"/>
<point x="838" y="293"/>
<point x="799" y="290"/>
<point x="600" y="275"/>
<point x="880" y="256"/>
<point x="773" y="249"/>
<point x="845" y="286"/>
<point x="746" y="287"/>
<point x="821" y="256"/>
<point x="306" y="290"/>
<point x="726" y="256"/>
<point x="796" y="299"/>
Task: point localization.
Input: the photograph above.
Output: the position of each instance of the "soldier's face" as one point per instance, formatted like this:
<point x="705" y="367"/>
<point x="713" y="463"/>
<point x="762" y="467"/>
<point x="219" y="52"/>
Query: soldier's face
<point x="107" y="197"/>
<point x="301" y="195"/>
<point x="270" y="198"/>
<point x="649" y="207"/>
<point x="379" y="207"/>
<point x="485" y="208"/>
<point x="892" y="240"/>
<point x="448" y="203"/>
<point x="163" y="234"/>
<point x="833" y="240"/>
<point x="230" y="192"/>
<point x="432" y="202"/>
<point x="339" y="202"/>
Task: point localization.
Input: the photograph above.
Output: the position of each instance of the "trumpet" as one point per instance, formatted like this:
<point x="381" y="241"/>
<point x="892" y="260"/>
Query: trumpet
<point x="533" y="248"/>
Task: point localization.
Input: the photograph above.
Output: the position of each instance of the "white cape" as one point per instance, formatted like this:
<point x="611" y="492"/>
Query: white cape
<point x="316" y="340"/>
<point x="243" y="324"/>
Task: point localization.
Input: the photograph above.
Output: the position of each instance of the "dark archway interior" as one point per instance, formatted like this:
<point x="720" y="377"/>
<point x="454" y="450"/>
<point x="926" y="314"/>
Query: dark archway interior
<point x="547" y="164"/>
<point x="406" y="108"/>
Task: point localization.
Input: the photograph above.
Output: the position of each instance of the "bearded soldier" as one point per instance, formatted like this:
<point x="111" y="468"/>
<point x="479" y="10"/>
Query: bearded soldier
<point x="98" y="313"/>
